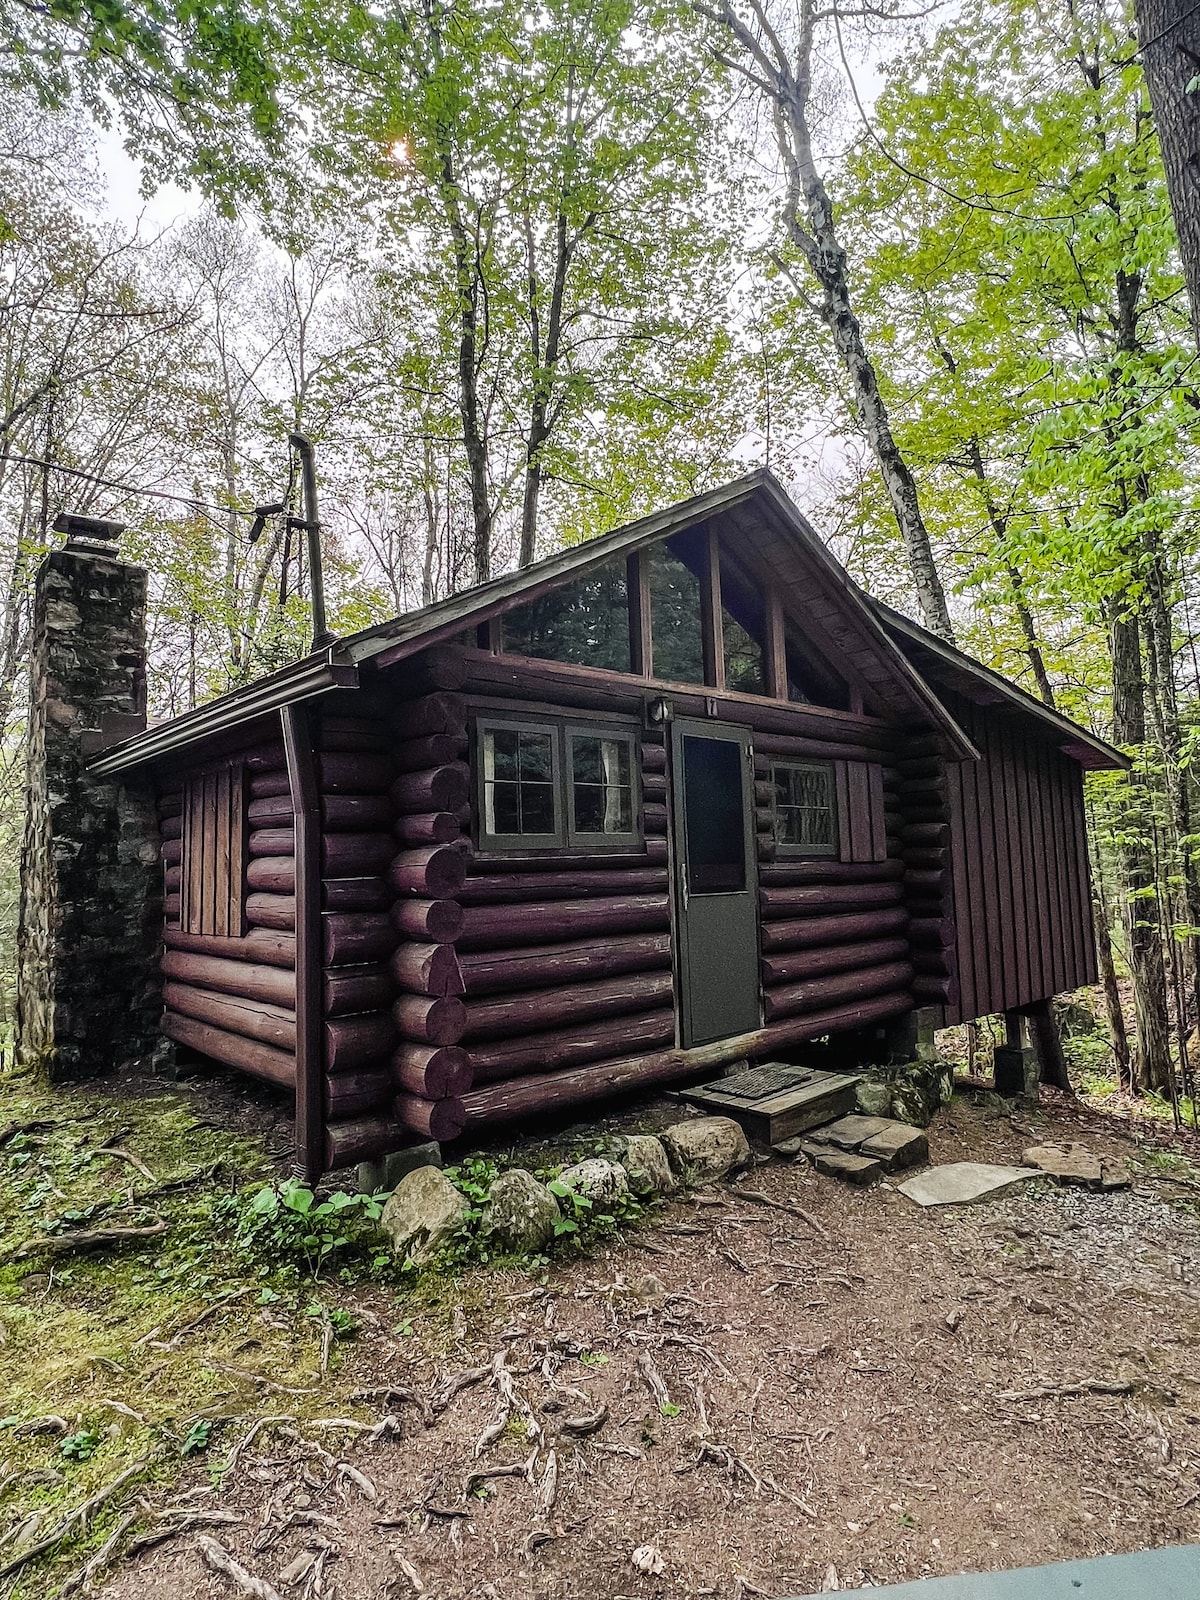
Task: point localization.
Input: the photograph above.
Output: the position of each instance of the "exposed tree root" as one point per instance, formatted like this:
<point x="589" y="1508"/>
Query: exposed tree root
<point x="247" y="1585"/>
<point x="61" y="1244"/>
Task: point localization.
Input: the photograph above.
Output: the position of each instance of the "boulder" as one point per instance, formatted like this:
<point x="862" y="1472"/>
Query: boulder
<point x="646" y="1165"/>
<point x="873" y="1098"/>
<point x="423" y="1214"/>
<point x="520" y="1213"/>
<point x="601" y="1182"/>
<point x="705" y="1149"/>
<point x="919" y="1089"/>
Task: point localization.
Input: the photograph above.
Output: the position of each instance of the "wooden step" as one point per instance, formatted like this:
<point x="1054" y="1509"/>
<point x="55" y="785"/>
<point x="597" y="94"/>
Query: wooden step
<point x="776" y="1101"/>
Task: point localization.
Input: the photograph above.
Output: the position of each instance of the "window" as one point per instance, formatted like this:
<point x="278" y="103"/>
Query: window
<point x="213" y="858"/>
<point x="585" y="623"/>
<point x="675" y="618"/>
<point x="544" y="785"/>
<point x="743" y="629"/>
<point x="520" y="785"/>
<point x="804" y="808"/>
<point x="601" y="786"/>
<point x="811" y="684"/>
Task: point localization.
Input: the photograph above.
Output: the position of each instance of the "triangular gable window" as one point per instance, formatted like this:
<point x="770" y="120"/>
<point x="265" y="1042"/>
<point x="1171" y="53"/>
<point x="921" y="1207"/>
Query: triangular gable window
<point x="585" y="623"/>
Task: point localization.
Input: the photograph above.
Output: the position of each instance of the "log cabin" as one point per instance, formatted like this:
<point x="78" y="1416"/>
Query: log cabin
<point x="678" y="796"/>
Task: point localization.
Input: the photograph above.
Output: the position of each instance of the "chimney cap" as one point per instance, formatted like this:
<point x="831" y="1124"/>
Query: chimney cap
<point x="89" y="533"/>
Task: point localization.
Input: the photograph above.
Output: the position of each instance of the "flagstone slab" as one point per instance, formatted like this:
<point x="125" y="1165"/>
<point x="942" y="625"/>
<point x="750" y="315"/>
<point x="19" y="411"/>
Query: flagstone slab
<point x="964" y="1183"/>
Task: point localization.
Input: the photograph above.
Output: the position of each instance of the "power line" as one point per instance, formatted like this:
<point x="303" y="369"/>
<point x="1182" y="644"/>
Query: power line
<point x="126" y="488"/>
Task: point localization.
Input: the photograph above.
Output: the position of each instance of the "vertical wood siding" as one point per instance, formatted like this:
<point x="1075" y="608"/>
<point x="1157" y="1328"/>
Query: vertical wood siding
<point x="1022" y="904"/>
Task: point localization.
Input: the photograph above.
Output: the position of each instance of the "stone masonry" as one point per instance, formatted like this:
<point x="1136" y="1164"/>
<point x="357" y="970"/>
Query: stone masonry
<point x="91" y="886"/>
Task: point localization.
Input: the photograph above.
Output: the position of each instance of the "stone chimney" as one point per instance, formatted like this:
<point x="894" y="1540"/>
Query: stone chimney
<point x="91" y="886"/>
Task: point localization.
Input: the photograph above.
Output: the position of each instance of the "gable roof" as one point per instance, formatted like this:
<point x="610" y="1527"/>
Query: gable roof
<point x="766" y="523"/>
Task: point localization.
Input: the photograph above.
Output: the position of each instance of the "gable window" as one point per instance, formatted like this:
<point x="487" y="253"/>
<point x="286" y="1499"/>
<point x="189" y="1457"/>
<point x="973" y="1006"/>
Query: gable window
<point x="805" y="817"/>
<point x="585" y="623"/>
<point x="675" y="616"/>
<point x="549" y="784"/>
<point x="213" y="857"/>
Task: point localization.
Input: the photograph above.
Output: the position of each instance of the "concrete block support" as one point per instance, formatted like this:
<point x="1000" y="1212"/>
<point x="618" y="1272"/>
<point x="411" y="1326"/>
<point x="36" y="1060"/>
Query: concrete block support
<point x="91" y="885"/>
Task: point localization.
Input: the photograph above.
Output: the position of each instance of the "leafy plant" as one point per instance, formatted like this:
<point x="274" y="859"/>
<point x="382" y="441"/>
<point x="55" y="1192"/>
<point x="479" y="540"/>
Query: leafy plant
<point x="81" y="1446"/>
<point x="197" y="1438"/>
<point x="288" y="1221"/>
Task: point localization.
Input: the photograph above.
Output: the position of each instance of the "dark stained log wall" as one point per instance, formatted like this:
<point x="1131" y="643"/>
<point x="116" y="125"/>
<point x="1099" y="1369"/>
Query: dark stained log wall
<point x="1019" y="868"/>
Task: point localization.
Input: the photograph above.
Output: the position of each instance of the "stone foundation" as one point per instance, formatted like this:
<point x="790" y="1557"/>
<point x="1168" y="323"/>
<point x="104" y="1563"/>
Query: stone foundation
<point x="907" y="1091"/>
<point x="91" y="885"/>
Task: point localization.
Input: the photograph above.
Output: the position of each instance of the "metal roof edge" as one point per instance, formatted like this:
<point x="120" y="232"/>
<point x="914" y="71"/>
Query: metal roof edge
<point x="1071" y="733"/>
<point x="299" y="680"/>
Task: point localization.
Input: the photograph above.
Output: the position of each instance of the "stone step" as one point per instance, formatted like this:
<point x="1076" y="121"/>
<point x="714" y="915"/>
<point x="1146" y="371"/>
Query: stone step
<point x="895" y="1145"/>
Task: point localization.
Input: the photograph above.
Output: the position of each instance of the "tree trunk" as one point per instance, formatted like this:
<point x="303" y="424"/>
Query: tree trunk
<point x="1137" y="863"/>
<point x="1169" y="31"/>
<point x="1112" y="994"/>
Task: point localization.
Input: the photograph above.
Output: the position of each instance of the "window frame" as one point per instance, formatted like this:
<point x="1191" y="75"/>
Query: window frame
<point x="566" y="836"/>
<point x="783" y="847"/>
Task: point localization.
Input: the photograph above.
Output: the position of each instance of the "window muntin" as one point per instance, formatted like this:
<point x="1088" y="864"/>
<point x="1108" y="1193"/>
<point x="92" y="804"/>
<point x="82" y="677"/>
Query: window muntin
<point x="805" y="817"/>
<point x="550" y="784"/>
<point x="601" y="784"/>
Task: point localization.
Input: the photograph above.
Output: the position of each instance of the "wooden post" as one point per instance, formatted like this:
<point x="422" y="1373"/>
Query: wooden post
<point x="310" y="1061"/>
<point x="775" y="653"/>
<point x="710" y="612"/>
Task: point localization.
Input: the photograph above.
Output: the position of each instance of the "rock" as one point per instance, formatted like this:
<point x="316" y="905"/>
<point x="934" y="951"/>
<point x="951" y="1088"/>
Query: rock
<point x="375" y="1176"/>
<point x="962" y="1183"/>
<point x="789" y="1147"/>
<point x="706" y="1148"/>
<point x="873" y="1098"/>
<point x="649" y="1288"/>
<point x="646" y="1165"/>
<point x="520" y="1213"/>
<point x="423" y="1214"/>
<point x="919" y="1089"/>
<point x="847" y="1133"/>
<point x="1073" y="1163"/>
<point x="842" y="1164"/>
<point x="897" y="1146"/>
<point x="599" y="1181"/>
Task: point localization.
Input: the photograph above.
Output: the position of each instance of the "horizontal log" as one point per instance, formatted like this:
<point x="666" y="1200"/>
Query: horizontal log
<point x="361" y="1139"/>
<point x="429" y="969"/>
<point x="425" y="1019"/>
<point x="926" y="960"/>
<point x="512" y="888"/>
<point x="270" y="785"/>
<point x="171" y="909"/>
<point x="793" y="966"/>
<point x="919" y="767"/>
<point x="820" y="994"/>
<point x="431" y="1073"/>
<point x="796" y="871"/>
<point x="582" y="1003"/>
<point x="436" y="789"/>
<point x="938" y="932"/>
<point x="434" y="750"/>
<point x="926" y="857"/>
<point x="654" y="786"/>
<point x="542" y="922"/>
<point x="442" y="1120"/>
<point x="355" y="894"/>
<point x="440" y="667"/>
<point x="352" y="1094"/>
<point x="435" y="827"/>
<point x="354" y="1042"/>
<point x="340" y="813"/>
<point x="925" y="906"/>
<point x="170" y="805"/>
<point x="491" y="863"/>
<point x="654" y="819"/>
<point x="431" y="713"/>
<point x="172" y="849"/>
<point x="928" y="990"/>
<point x="248" y="1055"/>
<point x="252" y="1019"/>
<point x="254" y="982"/>
<point x="352" y="989"/>
<point x="812" y="932"/>
<point x="654" y="757"/>
<point x="172" y="877"/>
<point x="349" y="937"/>
<point x="569" y="1047"/>
<point x="351" y="733"/>
<point x="264" y="757"/>
<point x="933" y="881"/>
<point x="554" y="1091"/>
<point x="826" y="897"/>
<point x="923" y="791"/>
<point x="271" y="911"/>
<point x="272" y="874"/>
<point x="926" y="833"/>
<point x="259" y="945"/>
<point x="357" y="773"/>
<point x="434" y="873"/>
<point x="171" y="828"/>
<point x="429" y="921"/>
<point x="508" y="971"/>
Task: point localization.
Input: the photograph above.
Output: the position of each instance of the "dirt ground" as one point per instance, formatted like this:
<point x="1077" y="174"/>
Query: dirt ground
<point x="856" y="1392"/>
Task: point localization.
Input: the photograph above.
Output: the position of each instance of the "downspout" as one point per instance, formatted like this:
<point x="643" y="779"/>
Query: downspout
<point x="310" y="1033"/>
